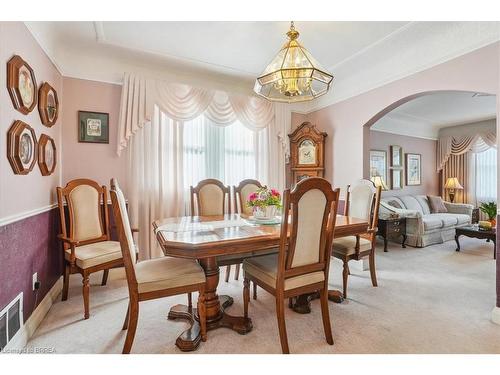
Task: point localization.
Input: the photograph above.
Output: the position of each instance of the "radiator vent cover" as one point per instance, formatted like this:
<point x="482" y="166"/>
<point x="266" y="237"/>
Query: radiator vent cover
<point x="11" y="320"/>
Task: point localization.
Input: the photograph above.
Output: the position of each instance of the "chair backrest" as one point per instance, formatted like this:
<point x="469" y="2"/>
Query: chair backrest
<point x="88" y="216"/>
<point x="124" y="232"/>
<point x="312" y="205"/>
<point x="241" y="193"/>
<point x="211" y="196"/>
<point x="363" y="201"/>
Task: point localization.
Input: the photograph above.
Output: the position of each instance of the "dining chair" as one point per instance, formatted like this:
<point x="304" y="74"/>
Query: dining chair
<point x="303" y="261"/>
<point x="362" y="201"/>
<point x="240" y="193"/>
<point x="154" y="278"/>
<point x="211" y="196"/>
<point x="87" y="242"/>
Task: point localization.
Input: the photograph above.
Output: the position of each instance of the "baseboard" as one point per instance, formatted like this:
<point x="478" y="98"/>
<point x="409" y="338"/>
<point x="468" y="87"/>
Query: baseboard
<point x="495" y="315"/>
<point x="18" y="342"/>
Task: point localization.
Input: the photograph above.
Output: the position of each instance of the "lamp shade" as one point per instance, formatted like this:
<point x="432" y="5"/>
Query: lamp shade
<point x="293" y="75"/>
<point x="379" y="181"/>
<point x="452" y="183"/>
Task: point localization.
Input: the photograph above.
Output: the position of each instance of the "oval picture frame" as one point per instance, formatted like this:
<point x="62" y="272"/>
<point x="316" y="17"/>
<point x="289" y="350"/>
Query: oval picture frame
<point x="22" y="147"/>
<point x="47" y="155"/>
<point x="48" y="105"/>
<point x="21" y="84"/>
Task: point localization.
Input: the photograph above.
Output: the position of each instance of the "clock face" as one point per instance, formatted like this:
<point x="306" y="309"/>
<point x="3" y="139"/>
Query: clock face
<point x="307" y="152"/>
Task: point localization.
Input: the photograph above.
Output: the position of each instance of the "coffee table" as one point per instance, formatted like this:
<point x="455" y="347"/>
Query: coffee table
<point x="473" y="231"/>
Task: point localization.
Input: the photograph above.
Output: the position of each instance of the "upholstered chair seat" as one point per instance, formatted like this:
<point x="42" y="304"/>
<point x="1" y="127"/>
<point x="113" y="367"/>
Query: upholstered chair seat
<point x="265" y="268"/>
<point x="165" y="273"/>
<point x="347" y="245"/>
<point x="95" y="254"/>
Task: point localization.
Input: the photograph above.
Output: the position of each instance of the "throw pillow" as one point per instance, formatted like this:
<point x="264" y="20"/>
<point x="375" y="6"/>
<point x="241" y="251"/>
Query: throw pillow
<point x="436" y="204"/>
<point x="394" y="204"/>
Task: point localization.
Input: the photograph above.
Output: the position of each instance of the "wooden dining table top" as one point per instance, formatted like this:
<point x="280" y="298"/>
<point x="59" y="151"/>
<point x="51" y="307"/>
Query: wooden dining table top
<point x="207" y="236"/>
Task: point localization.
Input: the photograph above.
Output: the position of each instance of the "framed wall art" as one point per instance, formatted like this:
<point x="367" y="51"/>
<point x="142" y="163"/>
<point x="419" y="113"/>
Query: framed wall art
<point x="413" y="169"/>
<point x="47" y="156"/>
<point x="21" y="147"/>
<point x="21" y="84"/>
<point x="378" y="164"/>
<point x="396" y="156"/>
<point x="396" y="179"/>
<point x="93" y="127"/>
<point x="48" y="104"/>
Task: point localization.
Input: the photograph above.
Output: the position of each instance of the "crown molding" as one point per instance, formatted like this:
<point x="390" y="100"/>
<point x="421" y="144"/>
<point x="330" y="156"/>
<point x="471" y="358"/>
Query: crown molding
<point x="402" y="133"/>
<point x="44" y="49"/>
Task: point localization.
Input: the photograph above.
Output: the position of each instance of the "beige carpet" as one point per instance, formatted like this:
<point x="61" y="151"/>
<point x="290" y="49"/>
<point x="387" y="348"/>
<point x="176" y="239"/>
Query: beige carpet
<point x="431" y="300"/>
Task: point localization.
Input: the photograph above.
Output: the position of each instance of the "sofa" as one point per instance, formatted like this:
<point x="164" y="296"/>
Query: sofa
<point x="424" y="228"/>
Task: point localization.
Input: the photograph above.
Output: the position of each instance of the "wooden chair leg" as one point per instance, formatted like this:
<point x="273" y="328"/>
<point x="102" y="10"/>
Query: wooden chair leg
<point x="228" y="272"/>
<point x="125" y="323"/>
<point x="373" y="273"/>
<point x="132" y="326"/>
<point x="254" y="291"/>
<point x="246" y="296"/>
<point x="202" y="314"/>
<point x="190" y="301"/>
<point x="348" y="270"/>
<point x="325" y="314"/>
<point x="237" y="272"/>
<point x="345" y="275"/>
<point x="280" y="313"/>
<point x="104" y="277"/>
<point x="64" y="296"/>
<point x="86" y="289"/>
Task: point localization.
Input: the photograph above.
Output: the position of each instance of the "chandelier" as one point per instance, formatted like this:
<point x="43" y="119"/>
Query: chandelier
<point x="293" y="75"/>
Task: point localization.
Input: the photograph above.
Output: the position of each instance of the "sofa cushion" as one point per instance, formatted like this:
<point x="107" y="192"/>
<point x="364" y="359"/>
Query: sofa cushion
<point x="424" y="203"/>
<point x="449" y="220"/>
<point x="411" y="203"/>
<point x="437" y="204"/>
<point x="432" y="222"/>
<point x="462" y="219"/>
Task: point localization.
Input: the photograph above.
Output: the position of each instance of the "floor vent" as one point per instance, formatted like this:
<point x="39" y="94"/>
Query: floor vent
<point x="11" y="320"/>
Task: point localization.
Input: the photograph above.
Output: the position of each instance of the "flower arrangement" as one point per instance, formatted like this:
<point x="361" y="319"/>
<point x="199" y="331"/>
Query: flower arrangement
<point x="490" y="209"/>
<point x="264" y="197"/>
<point x="265" y="202"/>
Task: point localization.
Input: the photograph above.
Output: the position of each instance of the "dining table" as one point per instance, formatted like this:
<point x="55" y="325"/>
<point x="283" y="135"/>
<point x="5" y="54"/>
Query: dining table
<point x="205" y="238"/>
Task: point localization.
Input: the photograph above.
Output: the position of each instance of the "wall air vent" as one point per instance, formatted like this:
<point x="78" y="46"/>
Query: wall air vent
<point x="11" y="321"/>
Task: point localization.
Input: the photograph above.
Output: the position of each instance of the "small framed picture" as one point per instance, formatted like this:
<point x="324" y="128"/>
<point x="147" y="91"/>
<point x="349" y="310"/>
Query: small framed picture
<point x="396" y="156"/>
<point x="378" y="164"/>
<point x="396" y="179"/>
<point x="93" y="127"/>
<point x="413" y="169"/>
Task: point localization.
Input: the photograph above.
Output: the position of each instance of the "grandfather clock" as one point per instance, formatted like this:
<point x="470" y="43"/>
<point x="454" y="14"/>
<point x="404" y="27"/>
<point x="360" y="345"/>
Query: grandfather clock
<point x="307" y="152"/>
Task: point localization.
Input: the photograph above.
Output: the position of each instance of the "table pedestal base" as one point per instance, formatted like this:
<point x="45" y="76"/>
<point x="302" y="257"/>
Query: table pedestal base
<point x="302" y="303"/>
<point x="190" y="339"/>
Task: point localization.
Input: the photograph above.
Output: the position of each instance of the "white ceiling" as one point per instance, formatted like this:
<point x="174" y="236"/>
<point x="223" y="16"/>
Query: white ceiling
<point x="424" y="116"/>
<point x="229" y="55"/>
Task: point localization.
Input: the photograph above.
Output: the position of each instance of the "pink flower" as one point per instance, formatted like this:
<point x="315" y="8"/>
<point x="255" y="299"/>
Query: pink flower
<point x="252" y="197"/>
<point x="275" y="192"/>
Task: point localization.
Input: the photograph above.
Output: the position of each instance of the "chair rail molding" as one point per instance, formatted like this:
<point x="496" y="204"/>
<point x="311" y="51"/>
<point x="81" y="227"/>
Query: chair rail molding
<point x="26" y="214"/>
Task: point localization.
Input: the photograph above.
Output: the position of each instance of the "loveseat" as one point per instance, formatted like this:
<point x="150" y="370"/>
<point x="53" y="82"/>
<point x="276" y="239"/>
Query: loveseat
<point x="424" y="228"/>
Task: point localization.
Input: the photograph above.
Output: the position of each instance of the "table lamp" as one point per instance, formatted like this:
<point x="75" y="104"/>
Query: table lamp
<point x="379" y="181"/>
<point x="451" y="185"/>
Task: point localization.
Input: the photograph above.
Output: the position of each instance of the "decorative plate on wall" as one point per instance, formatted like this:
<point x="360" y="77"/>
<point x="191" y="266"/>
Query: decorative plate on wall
<point x="21" y="84"/>
<point x="47" y="155"/>
<point x="21" y="147"/>
<point x="48" y="104"/>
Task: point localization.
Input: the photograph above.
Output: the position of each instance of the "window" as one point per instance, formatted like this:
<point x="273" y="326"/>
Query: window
<point x="227" y="153"/>
<point x="486" y="175"/>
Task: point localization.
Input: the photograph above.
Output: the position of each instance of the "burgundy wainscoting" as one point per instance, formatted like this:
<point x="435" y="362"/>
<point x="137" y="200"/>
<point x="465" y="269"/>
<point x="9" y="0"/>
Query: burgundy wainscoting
<point x="27" y="246"/>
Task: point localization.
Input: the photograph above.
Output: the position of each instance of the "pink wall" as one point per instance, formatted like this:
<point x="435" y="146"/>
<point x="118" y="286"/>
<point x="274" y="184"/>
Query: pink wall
<point x="344" y="122"/>
<point x="98" y="162"/>
<point x="25" y="193"/>
<point x="28" y="227"/>
<point x="425" y="147"/>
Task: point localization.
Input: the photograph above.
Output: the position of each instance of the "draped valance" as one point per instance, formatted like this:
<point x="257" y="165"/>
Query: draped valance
<point x="458" y="140"/>
<point x="184" y="103"/>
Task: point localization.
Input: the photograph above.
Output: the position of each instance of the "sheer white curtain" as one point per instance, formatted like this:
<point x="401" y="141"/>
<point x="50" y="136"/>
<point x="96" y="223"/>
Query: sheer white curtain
<point x="485" y="176"/>
<point x="166" y="157"/>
